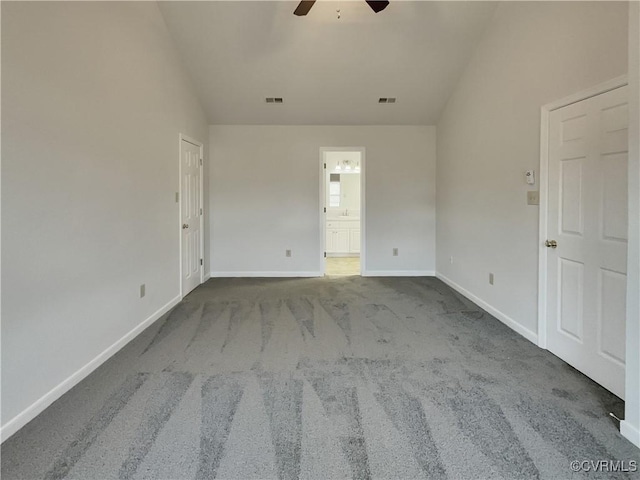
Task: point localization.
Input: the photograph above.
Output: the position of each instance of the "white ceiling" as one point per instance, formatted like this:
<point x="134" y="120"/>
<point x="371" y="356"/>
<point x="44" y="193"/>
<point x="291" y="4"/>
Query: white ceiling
<point x="329" y="71"/>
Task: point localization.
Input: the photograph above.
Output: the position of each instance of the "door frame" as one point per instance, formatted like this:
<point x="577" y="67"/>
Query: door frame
<point x="545" y="112"/>
<point x="323" y="205"/>
<point x="182" y="137"/>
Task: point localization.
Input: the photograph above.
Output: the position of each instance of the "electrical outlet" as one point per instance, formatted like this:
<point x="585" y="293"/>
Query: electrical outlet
<point x="395" y="252"/>
<point x="491" y="279"/>
<point x="143" y="291"/>
<point x="533" y="197"/>
<point x="287" y="253"/>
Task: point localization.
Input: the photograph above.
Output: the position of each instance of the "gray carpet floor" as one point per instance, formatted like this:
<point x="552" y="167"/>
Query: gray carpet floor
<point x="343" y="377"/>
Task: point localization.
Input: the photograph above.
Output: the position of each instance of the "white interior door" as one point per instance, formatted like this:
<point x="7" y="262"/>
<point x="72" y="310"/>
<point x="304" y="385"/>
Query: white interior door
<point x="190" y="215"/>
<point x="587" y="219"/>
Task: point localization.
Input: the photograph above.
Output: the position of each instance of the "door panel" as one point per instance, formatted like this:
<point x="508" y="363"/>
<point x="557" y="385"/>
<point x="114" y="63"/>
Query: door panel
<point x="613" y="170"/>
<point x="571" y="196"/>
<point x="612" y="315"/>
<point x="588" y="219"/>
<point x="571" y="295"/>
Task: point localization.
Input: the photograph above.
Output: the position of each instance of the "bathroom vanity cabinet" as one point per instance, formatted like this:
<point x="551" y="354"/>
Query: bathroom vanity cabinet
<point x="343" y="237"/>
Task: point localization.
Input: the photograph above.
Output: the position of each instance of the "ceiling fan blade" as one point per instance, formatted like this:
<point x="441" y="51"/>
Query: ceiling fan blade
<point x="377" y="6"/>
<point x="303" y="7"/>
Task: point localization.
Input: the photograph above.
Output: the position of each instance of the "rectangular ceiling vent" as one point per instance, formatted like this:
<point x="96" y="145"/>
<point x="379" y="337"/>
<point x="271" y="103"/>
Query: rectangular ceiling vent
<point x="274" y="99"/>
<point x="387" y="100"/>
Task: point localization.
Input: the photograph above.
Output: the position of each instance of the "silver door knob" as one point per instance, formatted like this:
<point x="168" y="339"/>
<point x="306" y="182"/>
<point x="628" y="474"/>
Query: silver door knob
<point x="185" y="225"/>
<point x="551" y="244"/>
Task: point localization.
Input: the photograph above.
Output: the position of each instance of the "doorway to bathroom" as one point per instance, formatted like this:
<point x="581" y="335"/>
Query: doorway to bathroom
<point x="342" y="197"/>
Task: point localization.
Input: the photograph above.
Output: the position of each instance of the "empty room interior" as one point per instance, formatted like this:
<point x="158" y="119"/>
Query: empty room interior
<point x="333" y="239"/>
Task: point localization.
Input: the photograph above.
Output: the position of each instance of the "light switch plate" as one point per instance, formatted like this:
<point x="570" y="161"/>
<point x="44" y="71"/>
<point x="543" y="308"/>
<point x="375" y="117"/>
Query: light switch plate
<point x="533" y="197"/>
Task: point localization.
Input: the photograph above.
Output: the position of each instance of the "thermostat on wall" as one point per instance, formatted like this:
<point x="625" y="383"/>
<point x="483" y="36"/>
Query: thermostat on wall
<point x="531" y="177"/>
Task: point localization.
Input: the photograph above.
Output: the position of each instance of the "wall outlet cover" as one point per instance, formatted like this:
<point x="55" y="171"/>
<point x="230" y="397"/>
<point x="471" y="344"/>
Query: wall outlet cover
<point x="395" y="252"/>
<point x="533" y="197"/>
<point x="287" y="253"/>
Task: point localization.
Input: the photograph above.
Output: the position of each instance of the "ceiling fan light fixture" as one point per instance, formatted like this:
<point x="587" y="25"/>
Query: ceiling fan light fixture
<point x="305" y="5"/>
<point x="377" y="6"/>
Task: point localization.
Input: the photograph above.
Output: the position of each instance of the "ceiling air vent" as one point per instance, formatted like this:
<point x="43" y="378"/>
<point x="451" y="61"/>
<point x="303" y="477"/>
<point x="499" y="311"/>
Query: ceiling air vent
<point x="387" y="100"/>
<point x="274" y="99"/>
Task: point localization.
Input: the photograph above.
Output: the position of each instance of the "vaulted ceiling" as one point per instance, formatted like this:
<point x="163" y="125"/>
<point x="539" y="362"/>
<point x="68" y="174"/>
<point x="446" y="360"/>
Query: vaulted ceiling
<point x="328" y="70"/>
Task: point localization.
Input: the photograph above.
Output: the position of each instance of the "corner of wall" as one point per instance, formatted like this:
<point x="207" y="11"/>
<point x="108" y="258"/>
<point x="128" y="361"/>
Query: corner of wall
<point x="630" y="426"/>
<point x="507" y="320"/>
<point x="33" y="410"/>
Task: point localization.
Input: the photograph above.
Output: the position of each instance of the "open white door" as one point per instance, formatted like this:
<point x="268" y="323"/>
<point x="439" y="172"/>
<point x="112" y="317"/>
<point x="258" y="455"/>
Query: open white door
<point x="587" y="236"/>
<point x="191" y="214"/>
<point x="343" y="203"/>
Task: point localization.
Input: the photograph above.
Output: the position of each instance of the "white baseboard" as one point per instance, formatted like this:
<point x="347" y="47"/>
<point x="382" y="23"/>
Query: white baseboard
<point x="28" y="414"/>
<point x="630" y="432"/>
<point x="367" y="273"/>
<point x="508" y="321"/>
<point x="267" y="274"/>
<point x="398" y="273"/>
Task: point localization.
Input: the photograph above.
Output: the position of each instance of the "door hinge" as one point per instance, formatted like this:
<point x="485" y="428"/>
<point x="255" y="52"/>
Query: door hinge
<point x="325" y="209"/>
<point x="200" y="211"/>
<point x="325" y="165"/>
<point x="200" y="161"/>
<point x="200" y="261"/>
<point x="325" y="254"/>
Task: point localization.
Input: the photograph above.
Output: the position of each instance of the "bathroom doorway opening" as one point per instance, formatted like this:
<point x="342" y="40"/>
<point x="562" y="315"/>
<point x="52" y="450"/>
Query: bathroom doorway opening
<point x="342" y="200"/>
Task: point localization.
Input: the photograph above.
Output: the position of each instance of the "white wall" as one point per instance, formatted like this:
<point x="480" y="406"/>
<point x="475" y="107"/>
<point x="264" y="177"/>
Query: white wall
<point x="93" y="100"/>
<point x="488" y="136"/>
<point x="631" y="425"/>
<point x="265" y="197"/>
